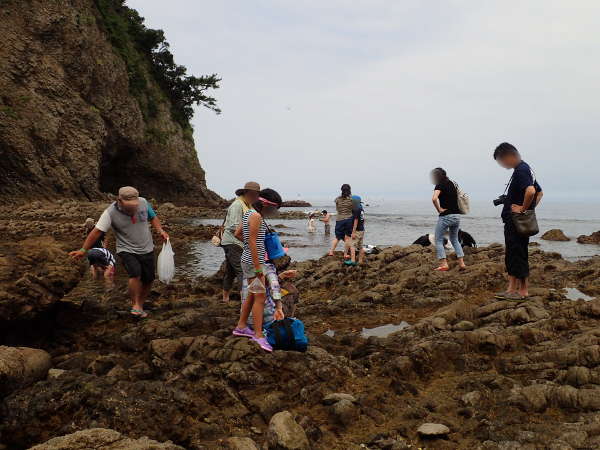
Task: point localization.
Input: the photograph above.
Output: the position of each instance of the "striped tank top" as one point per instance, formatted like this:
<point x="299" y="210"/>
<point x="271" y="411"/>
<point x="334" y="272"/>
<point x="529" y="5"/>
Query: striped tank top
<point x="260" y="239"/>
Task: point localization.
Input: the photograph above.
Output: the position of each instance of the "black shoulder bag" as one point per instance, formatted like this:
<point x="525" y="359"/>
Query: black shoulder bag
<point x="526" y="222"/>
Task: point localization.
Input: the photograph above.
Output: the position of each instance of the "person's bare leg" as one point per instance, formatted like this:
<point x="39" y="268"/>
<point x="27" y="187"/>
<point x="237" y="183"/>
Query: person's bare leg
<point x="361" y="256"/>
<point x="257" y="314"/>
<point x="135" y="292"/>
<point x="146" y="288"/>
<point x="246" y="308"/>
<point x="346" y="246"/>
<point x="443" y="262"/>
<point x="524" y="287"/>
<point x="334" y="244"/>
<point x="352" y="253"/>
<point x="461" y="263"/>
<point x="512" y="284"/>
<point x="109" y="277"/>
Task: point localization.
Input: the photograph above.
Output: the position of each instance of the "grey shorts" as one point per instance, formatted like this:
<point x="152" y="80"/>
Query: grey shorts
<point x="248" y="270"/>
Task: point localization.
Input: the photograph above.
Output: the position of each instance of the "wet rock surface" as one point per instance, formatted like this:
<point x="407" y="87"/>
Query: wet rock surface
<point x="497" y="374"/>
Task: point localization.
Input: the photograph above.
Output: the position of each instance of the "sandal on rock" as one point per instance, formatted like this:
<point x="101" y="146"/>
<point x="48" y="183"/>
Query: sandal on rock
<point x="515" y="297"/>
<point x="501" y="295"/>
<point x="138" y="313"/>
<point x="442" y="269"/>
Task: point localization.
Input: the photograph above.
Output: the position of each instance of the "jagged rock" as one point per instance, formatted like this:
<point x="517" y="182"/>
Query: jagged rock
<point x="21" y="366"/>
<point x="103" y="439"/>
<point x="555" y="235"/>
<point x="240" y="443"/>
<point x="433" y="429"/>
<point x="464" y="325"/>
<point x="55" y="373"/>
<point x="330" y="399"/>
<point x="593" y="238"/>
<point x="471" y="398"/>
<point x="285" y="434"/>
<point x="34" y="274"/>
<point x="345" y="412"/>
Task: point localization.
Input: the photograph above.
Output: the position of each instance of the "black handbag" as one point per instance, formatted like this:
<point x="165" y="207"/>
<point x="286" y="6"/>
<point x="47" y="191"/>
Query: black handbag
<point x="526" y="223"/>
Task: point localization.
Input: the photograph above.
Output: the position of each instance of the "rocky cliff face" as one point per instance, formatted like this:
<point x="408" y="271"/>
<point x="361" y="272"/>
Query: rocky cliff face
<point x="69" y="123"/>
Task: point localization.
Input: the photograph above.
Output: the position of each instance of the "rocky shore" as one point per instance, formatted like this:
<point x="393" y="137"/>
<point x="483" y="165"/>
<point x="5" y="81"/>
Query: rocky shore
<point x="463" y="371"/>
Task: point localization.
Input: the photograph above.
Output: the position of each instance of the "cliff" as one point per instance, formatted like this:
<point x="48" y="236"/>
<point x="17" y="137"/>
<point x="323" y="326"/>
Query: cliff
<point x="81" y="110"/>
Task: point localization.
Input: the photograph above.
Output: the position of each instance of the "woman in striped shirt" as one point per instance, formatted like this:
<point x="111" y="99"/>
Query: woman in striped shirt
<point x="252" y="232"/>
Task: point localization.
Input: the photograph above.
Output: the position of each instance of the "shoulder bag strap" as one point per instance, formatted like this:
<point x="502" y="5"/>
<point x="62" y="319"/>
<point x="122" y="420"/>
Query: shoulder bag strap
<point x="278" y="340"/>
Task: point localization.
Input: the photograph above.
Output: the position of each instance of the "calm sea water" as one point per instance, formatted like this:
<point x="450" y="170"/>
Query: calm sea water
<point x="401" y="222"/>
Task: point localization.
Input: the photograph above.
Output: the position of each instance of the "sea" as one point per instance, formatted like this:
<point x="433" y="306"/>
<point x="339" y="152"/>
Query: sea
<point x="398" y="222"/>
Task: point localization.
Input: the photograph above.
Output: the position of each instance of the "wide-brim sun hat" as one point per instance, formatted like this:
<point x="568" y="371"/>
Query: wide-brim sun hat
<point x="249" y="186"/>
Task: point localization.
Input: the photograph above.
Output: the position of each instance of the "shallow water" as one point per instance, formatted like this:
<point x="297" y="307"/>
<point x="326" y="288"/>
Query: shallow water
<point x="384" y="330"/>
<point x="576" y="294"/>
<point x="402" y="222"/>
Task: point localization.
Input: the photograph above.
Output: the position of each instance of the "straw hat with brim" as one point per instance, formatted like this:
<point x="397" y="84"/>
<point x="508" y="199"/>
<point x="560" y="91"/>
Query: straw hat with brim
<point x="129" y="196"/>
<point x="249" y="186"/>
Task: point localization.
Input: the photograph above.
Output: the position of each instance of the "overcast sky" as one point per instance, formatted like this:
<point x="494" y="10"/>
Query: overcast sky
<point x="375" y="93"/>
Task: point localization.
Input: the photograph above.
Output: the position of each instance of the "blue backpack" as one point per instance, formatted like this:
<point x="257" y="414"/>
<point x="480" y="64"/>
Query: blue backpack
<point x="287" y="334"/>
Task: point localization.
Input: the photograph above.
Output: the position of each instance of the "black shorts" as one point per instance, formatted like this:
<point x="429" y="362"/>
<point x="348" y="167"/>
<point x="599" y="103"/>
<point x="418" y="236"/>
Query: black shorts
<point x="139" y="266"/>
<point x="343" y="228"/>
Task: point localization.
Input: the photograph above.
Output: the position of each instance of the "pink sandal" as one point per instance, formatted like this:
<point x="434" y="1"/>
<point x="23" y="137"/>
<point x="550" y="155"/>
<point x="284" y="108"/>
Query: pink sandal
<point x="442" y="269"/>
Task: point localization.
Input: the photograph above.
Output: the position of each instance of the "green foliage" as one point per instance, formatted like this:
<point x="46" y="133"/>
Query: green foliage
<point x="158" y="136"/>
<point x="146" y="52"/>
<point x="8" y="111"/>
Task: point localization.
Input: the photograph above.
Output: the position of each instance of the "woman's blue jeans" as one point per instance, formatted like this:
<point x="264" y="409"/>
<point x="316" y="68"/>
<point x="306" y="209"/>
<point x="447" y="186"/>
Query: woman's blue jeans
<point x="450" y="223"/>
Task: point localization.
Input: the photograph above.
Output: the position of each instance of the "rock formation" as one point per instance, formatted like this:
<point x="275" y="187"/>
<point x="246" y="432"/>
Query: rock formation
<point x="73" y="122"/>
<point x="103" y="439"/>
<point x="555" y="235"/>
<point x="593" y="238"/>
<point x="296" y="204"/>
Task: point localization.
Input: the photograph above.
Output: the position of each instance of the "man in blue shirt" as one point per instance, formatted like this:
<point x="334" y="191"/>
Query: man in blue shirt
<point x="523" y="193"/>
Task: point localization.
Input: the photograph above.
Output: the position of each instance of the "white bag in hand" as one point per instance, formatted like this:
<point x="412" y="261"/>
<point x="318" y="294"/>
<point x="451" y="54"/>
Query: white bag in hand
<point x="166" y="263"/>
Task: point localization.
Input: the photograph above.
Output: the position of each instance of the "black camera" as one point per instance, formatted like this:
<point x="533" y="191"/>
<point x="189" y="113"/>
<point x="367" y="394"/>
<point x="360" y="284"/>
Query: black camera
<point x="500" y="200"/>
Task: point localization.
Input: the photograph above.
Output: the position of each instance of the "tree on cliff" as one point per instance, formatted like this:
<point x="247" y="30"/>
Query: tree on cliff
<point x="144" y="48"/>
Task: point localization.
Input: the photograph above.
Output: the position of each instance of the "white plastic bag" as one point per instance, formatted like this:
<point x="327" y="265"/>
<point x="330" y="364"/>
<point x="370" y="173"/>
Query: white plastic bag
<point x="166" y="263"/>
